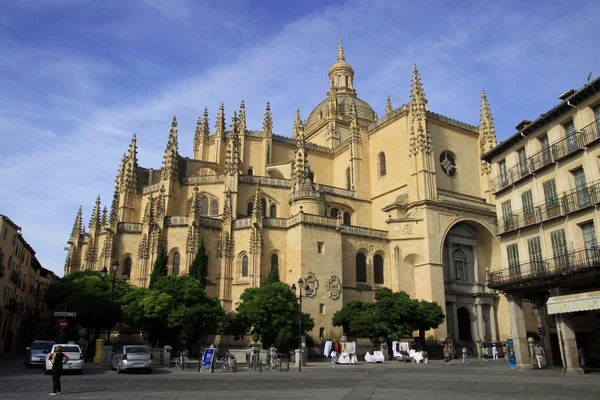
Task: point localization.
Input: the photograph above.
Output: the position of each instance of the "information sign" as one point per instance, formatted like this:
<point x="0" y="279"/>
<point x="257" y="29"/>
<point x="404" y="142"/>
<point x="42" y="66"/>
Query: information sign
<point x="208" y="357"/>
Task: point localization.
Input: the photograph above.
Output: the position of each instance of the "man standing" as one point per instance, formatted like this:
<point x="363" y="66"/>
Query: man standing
<point x="539" y="355"/>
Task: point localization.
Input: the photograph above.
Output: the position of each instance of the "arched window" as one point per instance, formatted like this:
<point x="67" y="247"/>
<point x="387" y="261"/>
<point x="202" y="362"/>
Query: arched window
<point x="378" y="269"/>
<point x="273" y="211"/>
<point x="348" y="180"/>
<point x="245" y="267"/>
<point x="250" y="172"/>
<point x="274" y="260"/>
<point x="204" y="206"/>
<point x="176" y="258"/>
<point x="249" y="210"/>
<point x="361" y="267"/>
<point x="127" y="266"/>
<point x="263" y="203"/>
<point x="214" y="207"/>
<point x="381" y="164"/>
<point x="334" y="212"/>
<point x="347" y="220"/>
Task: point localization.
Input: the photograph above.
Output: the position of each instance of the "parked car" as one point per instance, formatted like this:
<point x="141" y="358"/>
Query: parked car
<point x="132" y="357"/>
<point x="36" y="353"/>
<point x="72" y="351"/>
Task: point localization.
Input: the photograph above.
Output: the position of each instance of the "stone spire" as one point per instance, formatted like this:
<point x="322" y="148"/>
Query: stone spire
<point x="160" y="203"/>
<point x="77" y="225"/>
<point x="298" y="126"/>
<point x="354" y="129"/>
<point x="103" y="219"/>
<point x="257" y="211"/>
<point x="332" y="102"/>
<point x="95" y="219"/>
<point x="169" y="167"/>
<point x="232" y="153"/>
<point x="242" y="119"/>
<point x="227" y="210"/>
<point x="129" y="181"/>
<point x="340" y="55"/>
<point x="388" y="106"/>
<point x="420" y="137"/>
<point x="194" y="206"/>
<point x="220" y="127"/>
<point x="114" y="205"/>
<point x="268" y="122"/>
<point x="488" y="131"/>
<point x="198" y="137"/>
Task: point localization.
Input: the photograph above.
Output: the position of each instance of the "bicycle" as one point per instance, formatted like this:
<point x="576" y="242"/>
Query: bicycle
<point x="227" y="362"/>
<point x="182" y="360"/>
<point x="272" y="363"/>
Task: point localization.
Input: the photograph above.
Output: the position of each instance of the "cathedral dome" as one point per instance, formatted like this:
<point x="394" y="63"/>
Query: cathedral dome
<point x="344" y="100"/>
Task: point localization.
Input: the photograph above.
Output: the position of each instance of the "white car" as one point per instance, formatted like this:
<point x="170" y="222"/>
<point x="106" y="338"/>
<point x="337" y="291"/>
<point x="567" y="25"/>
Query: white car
<point x="72" y="351"/>
<point x="132" y="357"/>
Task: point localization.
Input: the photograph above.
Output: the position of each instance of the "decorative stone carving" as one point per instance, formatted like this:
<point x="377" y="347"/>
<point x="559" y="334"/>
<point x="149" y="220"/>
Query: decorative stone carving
<point x="334" y="287"/>
<point x="312" y="281"/>
<point x="407" y="229"/>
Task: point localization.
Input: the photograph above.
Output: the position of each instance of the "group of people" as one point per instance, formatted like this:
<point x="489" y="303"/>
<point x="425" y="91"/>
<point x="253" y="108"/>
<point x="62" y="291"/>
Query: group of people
<point x="449" y="354"/>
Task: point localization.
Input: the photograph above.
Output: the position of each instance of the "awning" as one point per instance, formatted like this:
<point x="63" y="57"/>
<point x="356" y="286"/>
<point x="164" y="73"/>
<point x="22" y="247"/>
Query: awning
<point x="574" y="303"/>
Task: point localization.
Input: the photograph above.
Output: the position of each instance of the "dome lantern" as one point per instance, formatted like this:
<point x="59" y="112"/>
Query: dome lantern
<point x="341" y="74"/>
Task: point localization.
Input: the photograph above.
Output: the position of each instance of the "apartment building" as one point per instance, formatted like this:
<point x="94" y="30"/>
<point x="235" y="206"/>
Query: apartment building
<point x="23" y="315"/>
<point x="546" y="185"/>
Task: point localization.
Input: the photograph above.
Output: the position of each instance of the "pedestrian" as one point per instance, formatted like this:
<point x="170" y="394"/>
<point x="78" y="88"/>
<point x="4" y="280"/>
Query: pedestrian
<point x="539" y="355"/>
<point x="485" y="354"/>
<point x="505" y="351"/>
<point x="446" y="354"/>
<point x="581" y="355"/>
<point x="57" y="359"/>
<point x="465" y="355"/>
<point x="494" y="352"/>
<point x="334" y="358"/>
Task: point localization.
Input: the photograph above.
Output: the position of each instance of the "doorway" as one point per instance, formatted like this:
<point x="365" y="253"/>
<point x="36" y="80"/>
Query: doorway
<point x="464" y="324"/>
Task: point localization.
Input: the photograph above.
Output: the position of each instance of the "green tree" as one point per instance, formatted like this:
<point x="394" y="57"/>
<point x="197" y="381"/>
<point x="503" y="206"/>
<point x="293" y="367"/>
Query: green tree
<point x="85" y="293"/>
<point x="199" y="266"/>
<point x="160" y="264"/>
<point x="429" y="315"/>
<point x="273" y="275"/>
<point x="272" y="312"/>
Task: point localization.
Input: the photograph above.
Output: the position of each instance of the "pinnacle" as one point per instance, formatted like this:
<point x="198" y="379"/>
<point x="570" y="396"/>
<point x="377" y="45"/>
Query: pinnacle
<point x="340" y="55"/>
<point x="268" y="121"/>
<point x="417" y="92"/>
<point x="388" y="106"/>
<point x="174" y="123"/>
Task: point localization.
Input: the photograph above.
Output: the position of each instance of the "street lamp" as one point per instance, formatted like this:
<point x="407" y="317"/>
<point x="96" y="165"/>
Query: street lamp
<point x="307" y="292"/>
<point x="103" y="274"/>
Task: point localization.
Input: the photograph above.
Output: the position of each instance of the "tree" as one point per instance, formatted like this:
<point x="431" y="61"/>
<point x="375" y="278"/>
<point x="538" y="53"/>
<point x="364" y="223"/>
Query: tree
<point x="174" y="305"/>
<point x="85" y="293"/>
<point x="272" y="311"/>
<point x="273" y="275"/>
<point x="429" y="315"/>
<point x="199" y="266"/>
<point x="160" y="264"/>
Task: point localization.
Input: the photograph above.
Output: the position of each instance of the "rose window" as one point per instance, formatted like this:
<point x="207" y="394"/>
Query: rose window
<point x="448" y="163"/>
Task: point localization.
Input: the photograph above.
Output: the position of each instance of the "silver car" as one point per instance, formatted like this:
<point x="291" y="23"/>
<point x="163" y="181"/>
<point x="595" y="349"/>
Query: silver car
<point x="75" y="363"/>
<point x="36" y="353"/>
<point x="132" y="357"/>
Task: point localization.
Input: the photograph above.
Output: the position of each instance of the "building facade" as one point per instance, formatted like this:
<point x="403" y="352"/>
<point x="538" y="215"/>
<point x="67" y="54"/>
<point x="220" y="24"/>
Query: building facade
<point x="23" y="280"/>
<point x="545" y="179"/>
<point x="351" y="202"/>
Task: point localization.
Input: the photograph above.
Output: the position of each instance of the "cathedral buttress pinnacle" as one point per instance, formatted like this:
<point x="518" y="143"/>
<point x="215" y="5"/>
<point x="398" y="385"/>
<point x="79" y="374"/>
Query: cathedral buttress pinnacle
<point x="103" y="219"/>
<point x="242" y="119"/>
<point x="77" y="225"/>
<point x="169" y="167"/>
<point x="420" y="137"/>
<point x="388" y="106"/>
<point x="129" y="181"/>
<point x="233" y="151"/>
<point x="487" y="139"/>
<point x="268" y="122"/>
<point x="298" y="126"/>
<point x="220" y="126"/>
<point x="354" y="129"/>
<point x="95" y="219"/>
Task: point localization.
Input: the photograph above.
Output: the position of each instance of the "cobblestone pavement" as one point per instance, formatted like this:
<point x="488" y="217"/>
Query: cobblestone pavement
<point x="393" y="380"/>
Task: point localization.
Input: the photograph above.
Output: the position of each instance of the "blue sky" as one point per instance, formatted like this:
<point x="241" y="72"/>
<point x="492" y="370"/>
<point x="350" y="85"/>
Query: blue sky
<point x="79" y="77"/>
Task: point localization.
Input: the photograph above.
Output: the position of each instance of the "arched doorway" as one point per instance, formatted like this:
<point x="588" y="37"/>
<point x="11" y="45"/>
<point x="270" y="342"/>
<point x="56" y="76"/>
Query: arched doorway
<point x="464" y="324"/>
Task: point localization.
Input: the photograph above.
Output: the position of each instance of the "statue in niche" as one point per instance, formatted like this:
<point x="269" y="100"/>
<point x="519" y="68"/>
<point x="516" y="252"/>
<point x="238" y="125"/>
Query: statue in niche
<point x="460" y="265"/>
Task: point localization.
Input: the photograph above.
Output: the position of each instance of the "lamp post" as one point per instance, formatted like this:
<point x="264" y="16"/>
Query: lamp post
<point x="307" y="292"/>
<point x="103" y="274"/>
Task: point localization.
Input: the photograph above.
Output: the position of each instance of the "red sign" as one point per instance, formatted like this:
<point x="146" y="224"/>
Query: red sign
<point x="63" y="323"/>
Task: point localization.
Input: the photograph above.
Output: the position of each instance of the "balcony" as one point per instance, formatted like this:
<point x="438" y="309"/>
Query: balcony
<point x="571" y="201"/>
<point x="563" y="267"/>
<point x="556" y="151"/>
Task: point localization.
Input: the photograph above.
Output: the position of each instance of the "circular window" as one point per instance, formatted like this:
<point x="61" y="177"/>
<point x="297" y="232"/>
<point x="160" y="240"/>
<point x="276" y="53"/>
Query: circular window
<point x="448" y="163"/>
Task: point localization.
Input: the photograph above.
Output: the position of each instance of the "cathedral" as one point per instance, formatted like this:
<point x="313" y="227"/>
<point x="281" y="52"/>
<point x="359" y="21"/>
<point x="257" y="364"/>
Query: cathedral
<point x="351" y="203"/>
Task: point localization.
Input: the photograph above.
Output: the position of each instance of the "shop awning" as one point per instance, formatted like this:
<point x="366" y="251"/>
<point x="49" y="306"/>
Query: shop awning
<point x="574" y="303"/>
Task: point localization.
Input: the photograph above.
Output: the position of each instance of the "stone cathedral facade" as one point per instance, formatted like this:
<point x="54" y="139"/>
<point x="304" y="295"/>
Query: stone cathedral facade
<point x="351" y="202"/>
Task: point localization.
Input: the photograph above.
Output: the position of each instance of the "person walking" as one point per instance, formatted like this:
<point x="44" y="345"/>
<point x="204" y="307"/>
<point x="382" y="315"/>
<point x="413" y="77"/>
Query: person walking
<point x="485" y="353"/>
<point x="505" y="351"/>
<point x="57" y="360"/>
<point x="539" y="355"/>
<point x="581" y="354"/>
<point x="446" y="354"/>
<point x="494" y="352"/>
<point x="465" y="355"/>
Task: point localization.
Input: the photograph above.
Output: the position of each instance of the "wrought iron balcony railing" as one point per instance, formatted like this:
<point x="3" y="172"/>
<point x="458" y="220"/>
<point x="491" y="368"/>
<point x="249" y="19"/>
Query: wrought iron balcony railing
<point x="550" y="154"/>
<point x="571" y="201"/>
<point x="563" y="264"/>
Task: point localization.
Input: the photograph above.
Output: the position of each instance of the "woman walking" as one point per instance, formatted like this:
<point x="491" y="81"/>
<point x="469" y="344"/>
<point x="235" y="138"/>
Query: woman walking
<point x="465" y="355"/>
<point x="57" y="359"/>
<point x="446" y="354"/>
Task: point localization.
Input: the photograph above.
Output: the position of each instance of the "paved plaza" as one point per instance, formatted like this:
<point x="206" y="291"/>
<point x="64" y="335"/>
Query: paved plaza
<point x="393" y="380"/>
